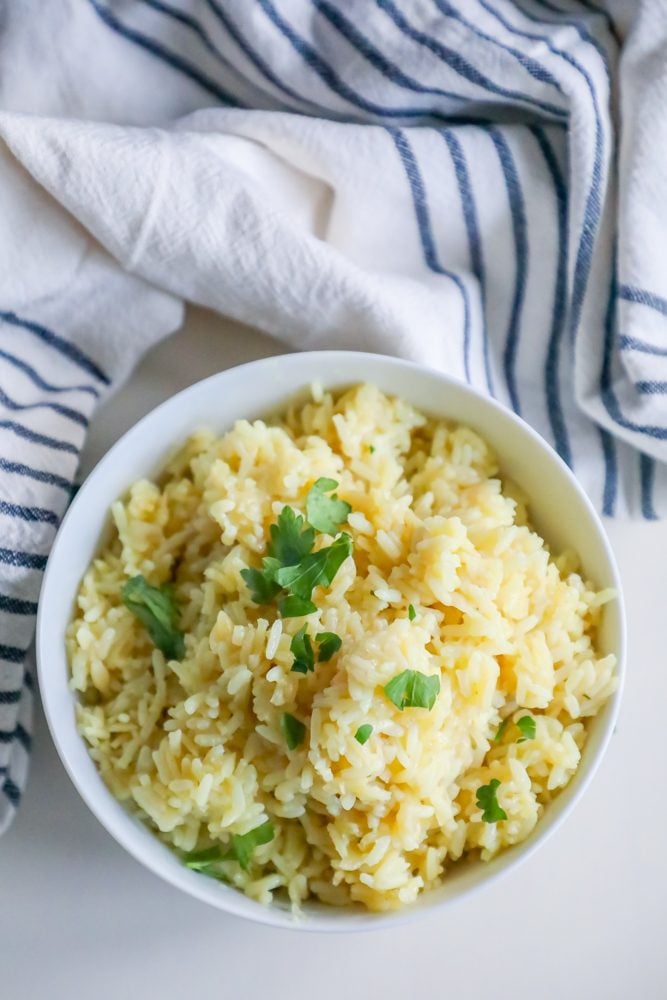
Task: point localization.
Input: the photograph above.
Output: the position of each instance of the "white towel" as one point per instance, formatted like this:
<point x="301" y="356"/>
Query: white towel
<point x="442" y="181"/>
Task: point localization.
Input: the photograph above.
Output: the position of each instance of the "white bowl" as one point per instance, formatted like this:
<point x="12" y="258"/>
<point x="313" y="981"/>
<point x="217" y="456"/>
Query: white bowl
<point x="559" y="510"/>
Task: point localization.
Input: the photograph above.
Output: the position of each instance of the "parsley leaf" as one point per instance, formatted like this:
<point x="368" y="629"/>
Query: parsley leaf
<point x="329" y="644"/>
<point x="412" y="614"/>
<point x="500" y="732"/>
<point x="487" y="801"/>
<point x="326" y="513"/>
<point x="293" y="730"/>
<point x="528" y="728"/>
<point x="244" y="844"/>
<point x="295" y="607"/>
<point x="363" y="733"/>
<point x="291" y="538"/>
<point x="412" y="689"/>
<point x="318" y="568"/>
<point x="261" y="584"/>
<point x="302" y="647"/>
<point x="156" y="609"/>
<point x="241" y="849"/>
<point x="371" y="448"/>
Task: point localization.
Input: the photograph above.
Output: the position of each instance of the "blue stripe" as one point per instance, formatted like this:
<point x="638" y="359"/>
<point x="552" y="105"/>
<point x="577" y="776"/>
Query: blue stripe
<point x="422" y="214"/>
<point x="474" y="238"/>
<point x="377" y="58"/>
<point x="17" y="606"/>
<point x="252" y="55"/>
<point x="576" y="22"/>
<point x="64" y="347"/>
<point x="594" y="9"/>
<point x="593" y="200"/>
<point x="39" y="381"/>
<point x="197" y="28"/>
<point x="607" y="393"/>
<point x="29" y="435"/>
<point x="40" y="514"/>
<point x="20" y="735"/>
<point x="64" y="411"/>
<point x="644" y="298"/>
<point x="37" y="474"/>
<point x="327" y="73"/>
<point x="634" y="344"/>
<point x="12" y="791"/>
<point x="460" y="65"/>
<point x="165" y="55"/>
<point x="647" y="480"/>
<point x="651" y="388"/>
<point x="10" y="697"/>
<point x="610" y="489"/>
<point x="12" y="653"/>
<point x="519" y="228"/>
<point x="29" y="560"/>
<point x="559" y="312"/>
<point x="532" y="66"/>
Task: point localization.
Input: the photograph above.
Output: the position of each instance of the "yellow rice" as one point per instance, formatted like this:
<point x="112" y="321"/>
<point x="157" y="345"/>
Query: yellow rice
<point x="195" y="747"/>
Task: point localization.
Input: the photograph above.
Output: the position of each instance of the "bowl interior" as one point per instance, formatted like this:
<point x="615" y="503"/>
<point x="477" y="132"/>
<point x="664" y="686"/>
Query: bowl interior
<point x="558" y="508"/>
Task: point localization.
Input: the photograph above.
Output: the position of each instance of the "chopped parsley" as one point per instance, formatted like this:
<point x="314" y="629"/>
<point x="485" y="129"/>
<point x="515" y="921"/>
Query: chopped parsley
<point x="316" y="569"/>
<point x="261" y="584"/>
<point x="412" y="689"/>
<point x="293" y="730"/>
<point x="295" y="607"/>
<point x="291" y="538"/>
<point x="240" y="849"/>
<point x="371" y="448"/>
<point x="244" y="844"/>
<point x="412" y="614"/>
<point x="329" y="644"/>
<point x="302" y="647"/>
<point x="528" y="728"/>
<point x="488" y="802"/>
<point x="156" y="609"/>
<point x="326" y="513"/>
<point x="291" y="565"/>
<point x="500" y="732"/>
<point x="363" y="733"/>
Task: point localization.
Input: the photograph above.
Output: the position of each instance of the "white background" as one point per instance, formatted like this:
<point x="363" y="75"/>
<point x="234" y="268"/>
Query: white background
<point x="584" y="918"/>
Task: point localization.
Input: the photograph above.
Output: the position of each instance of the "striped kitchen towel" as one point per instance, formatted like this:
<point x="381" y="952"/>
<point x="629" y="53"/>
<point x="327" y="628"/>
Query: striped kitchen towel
<point x="478" y="185"/>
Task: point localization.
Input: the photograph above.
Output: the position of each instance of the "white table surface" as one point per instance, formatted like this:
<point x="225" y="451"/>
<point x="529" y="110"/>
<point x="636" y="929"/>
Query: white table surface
<point x="584" y="918"/>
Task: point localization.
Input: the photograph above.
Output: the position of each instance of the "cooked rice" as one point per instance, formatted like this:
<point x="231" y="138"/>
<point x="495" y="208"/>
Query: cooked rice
<point x="195" y="747"/>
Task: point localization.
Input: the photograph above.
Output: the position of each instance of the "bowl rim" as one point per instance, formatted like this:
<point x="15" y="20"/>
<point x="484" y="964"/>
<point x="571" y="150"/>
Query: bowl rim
<point x="234" y="901"/>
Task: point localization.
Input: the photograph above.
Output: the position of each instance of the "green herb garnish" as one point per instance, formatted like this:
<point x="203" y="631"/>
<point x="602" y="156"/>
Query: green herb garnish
<point x="291" y="538"/>
<point x="371" y="448"/>
<point x="316" y="569"/>
<point x="488" y="802"/>
<point x="261" y="584"/>
<point x="244" y="844"/>
<point x="302" y="647"/>
<point x="528" y="728"/>
<point x="240" y="849"/>
<point x="412" y="614"/>
<point x="329" y="644"/>
<point x="156" y="609"/>
<point x="293" y="730"/>
<point x="295" y="607"/>
<point x="363" y="733"/>
<point x="500" y="732"/>
<point x="412" y="689"/>
<point x="323" y="512"/>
